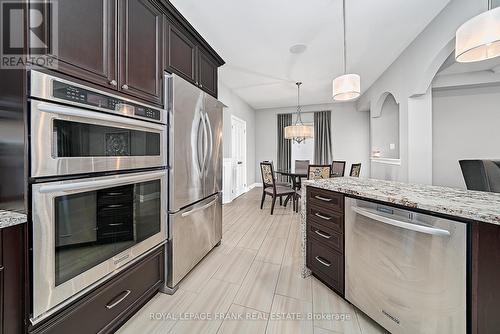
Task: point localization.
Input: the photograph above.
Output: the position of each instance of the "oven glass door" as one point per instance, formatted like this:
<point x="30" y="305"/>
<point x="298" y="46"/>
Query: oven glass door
<point x="69" y="140"/>
<point x="85" y="229"/>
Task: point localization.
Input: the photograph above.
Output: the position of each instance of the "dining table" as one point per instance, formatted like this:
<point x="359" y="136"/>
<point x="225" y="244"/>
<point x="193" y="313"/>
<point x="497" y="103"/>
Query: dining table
<point x="295" y="175"/>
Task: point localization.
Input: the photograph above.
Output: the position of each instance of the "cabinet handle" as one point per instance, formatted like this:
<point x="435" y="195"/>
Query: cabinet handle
<point x="124" y="86"/>
<point x="322" y="217"/>
<point x="324" y="199"/>
<point x="323" y="235"/>
<point x="119" y="299"/>
<point x="323" y="261"/>
<point x="113" y="83"/>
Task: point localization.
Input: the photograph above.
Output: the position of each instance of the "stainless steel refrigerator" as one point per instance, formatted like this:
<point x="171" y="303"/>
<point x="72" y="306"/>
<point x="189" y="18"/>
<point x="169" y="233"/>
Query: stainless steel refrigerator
<point x="195" y="177"/>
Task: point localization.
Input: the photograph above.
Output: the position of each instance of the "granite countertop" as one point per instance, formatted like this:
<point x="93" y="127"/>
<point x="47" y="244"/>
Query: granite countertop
<point x="473" y="205"/>
<point x="11" y="218"/>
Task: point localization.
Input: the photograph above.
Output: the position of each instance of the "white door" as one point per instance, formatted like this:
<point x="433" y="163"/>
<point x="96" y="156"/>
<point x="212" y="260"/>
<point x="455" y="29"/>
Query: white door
<point x="239" y="154"/>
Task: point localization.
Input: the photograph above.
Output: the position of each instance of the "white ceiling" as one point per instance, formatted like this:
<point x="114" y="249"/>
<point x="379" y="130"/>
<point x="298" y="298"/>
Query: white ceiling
<point x="254" y="37"/>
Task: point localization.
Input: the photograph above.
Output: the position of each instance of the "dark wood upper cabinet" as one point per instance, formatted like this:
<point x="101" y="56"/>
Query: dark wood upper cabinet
<point x="207" y="73"/>
<point x="125" y="45"/>
<point x="180" y="53"/>
<point x="86" y="45"/>
<point x="141" y="46"/>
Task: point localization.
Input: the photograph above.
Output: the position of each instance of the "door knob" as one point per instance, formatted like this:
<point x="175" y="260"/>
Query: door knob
<point x="112" y="82"/>
<point x="125" y="87"/>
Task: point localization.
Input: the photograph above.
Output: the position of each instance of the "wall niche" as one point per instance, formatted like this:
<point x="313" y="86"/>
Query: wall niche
<point x="385" y="130"/>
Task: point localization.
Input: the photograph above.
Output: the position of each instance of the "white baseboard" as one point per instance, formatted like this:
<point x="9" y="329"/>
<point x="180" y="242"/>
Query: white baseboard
<point x="250" y="187"/>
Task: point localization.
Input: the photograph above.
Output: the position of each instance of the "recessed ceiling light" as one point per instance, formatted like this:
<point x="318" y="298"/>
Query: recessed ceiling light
<point x="298" y="49"/>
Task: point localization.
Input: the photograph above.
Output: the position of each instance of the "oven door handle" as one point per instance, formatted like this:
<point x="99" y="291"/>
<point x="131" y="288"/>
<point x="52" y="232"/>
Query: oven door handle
<point x="98" y="184"/>
<point x="398" y="223"/>
<point x="93" y="115"/>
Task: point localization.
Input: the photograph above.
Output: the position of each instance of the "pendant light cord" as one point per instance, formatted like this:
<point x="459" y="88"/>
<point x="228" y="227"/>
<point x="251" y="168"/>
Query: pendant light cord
<point x="345" y="43"/>
<point x="299" y="108"/>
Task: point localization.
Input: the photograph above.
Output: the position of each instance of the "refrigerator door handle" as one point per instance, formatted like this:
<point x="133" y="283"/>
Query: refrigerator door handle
<point x="210" y="142"/>
<point x="200" y="157"/>
<point x="205" y="142"/>
<point x="201" y="208"/>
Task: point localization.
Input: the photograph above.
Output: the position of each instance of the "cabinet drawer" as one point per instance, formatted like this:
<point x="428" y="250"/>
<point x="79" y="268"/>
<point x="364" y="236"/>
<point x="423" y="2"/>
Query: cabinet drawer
<point x="324" y="216"/>
<point x="108" y="306"/>
<point x="327" y="264"/>
<point x="325" y="198"/>
<point x="326" y="235"/>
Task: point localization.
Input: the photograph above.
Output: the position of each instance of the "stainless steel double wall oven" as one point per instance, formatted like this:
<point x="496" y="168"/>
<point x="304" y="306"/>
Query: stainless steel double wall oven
<point x="99" y="187"/>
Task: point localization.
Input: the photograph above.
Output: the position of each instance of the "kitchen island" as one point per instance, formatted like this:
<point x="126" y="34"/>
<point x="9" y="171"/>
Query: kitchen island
<point x="327" y="221"/>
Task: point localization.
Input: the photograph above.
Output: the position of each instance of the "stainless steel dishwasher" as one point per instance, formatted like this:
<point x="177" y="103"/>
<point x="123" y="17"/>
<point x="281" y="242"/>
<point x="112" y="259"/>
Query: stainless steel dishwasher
<point x="406" y="270"/>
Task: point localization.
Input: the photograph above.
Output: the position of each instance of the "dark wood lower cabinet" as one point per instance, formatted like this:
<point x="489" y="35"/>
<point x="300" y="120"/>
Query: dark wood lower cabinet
<point x="108" y="307"/>
<point x="485" y="278"/>
<point x="325" y="237"/>
<point x="12" y="270"/>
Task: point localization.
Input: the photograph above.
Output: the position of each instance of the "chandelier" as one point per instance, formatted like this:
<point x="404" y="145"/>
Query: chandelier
<point x="298" y="132"/>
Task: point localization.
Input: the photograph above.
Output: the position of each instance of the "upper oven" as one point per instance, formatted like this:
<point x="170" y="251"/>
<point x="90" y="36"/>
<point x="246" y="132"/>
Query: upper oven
<point x="78" y="130"/>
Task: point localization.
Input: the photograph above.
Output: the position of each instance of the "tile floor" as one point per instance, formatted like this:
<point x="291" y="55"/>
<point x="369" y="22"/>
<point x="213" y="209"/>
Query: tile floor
<point x="251" y="284"/>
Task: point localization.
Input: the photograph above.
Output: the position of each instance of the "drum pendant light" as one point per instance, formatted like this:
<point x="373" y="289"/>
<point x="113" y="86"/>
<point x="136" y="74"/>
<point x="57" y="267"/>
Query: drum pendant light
<point x="348" y="86"/>
<point x="479" y="38"/>
<point x="298" y="132"/>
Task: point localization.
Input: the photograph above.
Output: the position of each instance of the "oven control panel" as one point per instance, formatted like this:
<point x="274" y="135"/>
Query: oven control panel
<point x="80" y="95"/>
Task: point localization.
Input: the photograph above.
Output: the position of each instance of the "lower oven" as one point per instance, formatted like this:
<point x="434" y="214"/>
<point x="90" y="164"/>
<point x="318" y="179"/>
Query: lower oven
<point x="85" y="230"/>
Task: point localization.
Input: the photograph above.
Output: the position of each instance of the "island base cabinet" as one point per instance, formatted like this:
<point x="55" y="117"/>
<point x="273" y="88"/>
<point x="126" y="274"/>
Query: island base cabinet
<point x="325" y="237"/>
<point x="485" y="278"/>
<point x="327" y="265"/>
<point x="108" y="307"/>
<point x="12" y="269"/>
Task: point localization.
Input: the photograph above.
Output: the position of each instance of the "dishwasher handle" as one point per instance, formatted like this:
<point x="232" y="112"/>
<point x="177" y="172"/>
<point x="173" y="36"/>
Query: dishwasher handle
<point x="398" y="223"/>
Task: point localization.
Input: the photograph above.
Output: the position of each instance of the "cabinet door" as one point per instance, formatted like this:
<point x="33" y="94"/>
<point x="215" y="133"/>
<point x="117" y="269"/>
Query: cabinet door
<point x="140" y="26"/>
<point x="180" y="53"/>
<point x="207" y="73"/>
<point x="86" y="40"/>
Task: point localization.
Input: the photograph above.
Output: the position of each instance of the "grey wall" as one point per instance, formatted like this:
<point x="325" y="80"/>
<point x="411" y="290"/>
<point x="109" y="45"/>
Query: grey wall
<point x="411" y="75"/>
<point x="350" y="134"/>
<point x="466" y="125"/>
<point x="239" y="108"/>
<point x="385" y="129"/>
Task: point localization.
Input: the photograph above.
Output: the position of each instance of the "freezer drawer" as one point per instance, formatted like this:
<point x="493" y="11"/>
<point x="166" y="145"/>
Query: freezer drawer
<point x="405" y="270"/>
<point x="194" y="231"/>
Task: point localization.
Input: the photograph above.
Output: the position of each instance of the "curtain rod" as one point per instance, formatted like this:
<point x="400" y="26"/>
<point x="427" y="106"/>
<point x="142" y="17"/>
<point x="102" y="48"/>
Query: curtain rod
<point x="302" y="112"/>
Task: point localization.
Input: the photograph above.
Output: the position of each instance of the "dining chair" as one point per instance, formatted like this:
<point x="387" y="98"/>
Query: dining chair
<point x="338" y="168"/>
<point x="301" y="165"/>
<point x="355" y="170"/>
<point x="316" y="172"/>
<point x="271" y="188"/>
<point x="481" y="175"/>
